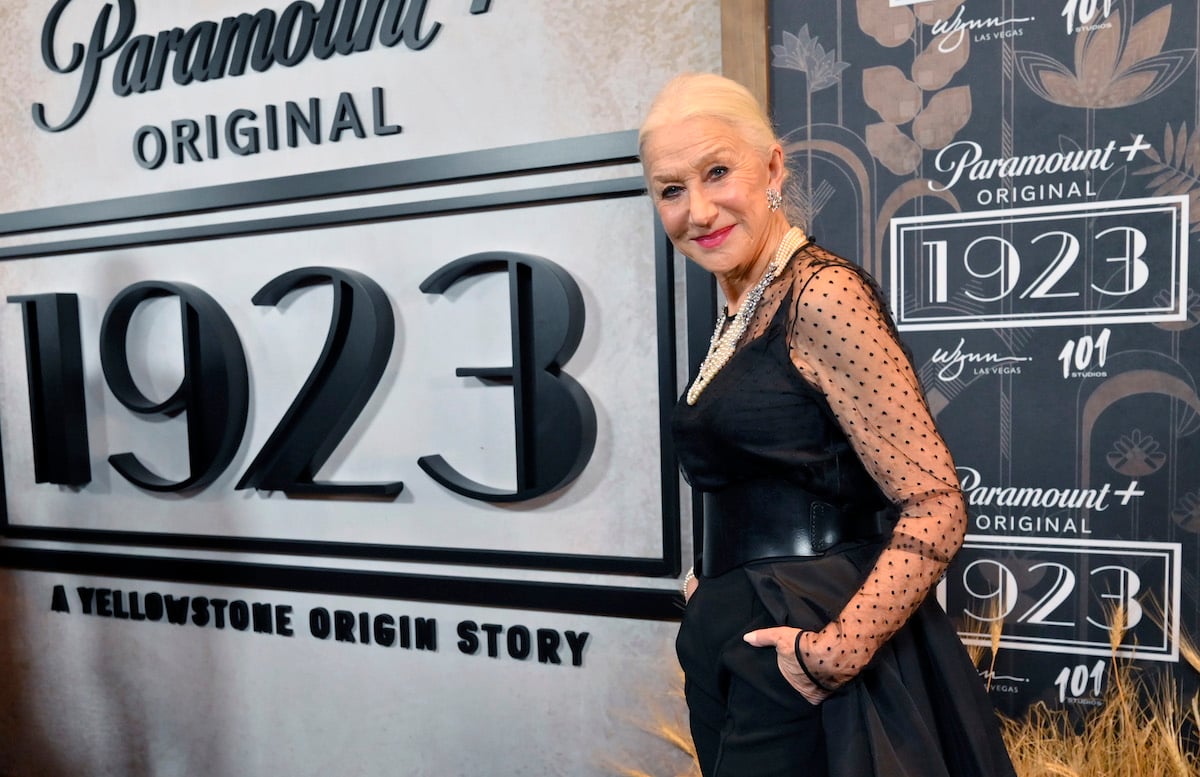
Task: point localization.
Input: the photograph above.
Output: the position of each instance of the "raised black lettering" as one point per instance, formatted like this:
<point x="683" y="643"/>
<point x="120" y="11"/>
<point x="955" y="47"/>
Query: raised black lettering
<point x="97" y="51"/>
<point x="243" y="39"/>
<point x="239" y="615"/>
<point x="548" y="641"/>
<point x="576" y="643"/>
<point x="183" y="138"/>
<point x="54" y="367"/>
<point x="426" y="633"/>
<point x="210" y="135"/>
<point x="468" y="637"/>
<point x="160" y="147"/>
<point x="166" y="42"/>
<point x="58" y="599"/>
<point x="493" y="631"/>
<point x="200" y="614"/>
<point x="272" y="114"/>
<point x="135" y="607"/>
<point x="132" y="71"/>
<point x="104" y="602"/>
<point x="319" y="622"/>
<point x="344" y="37"/>
<point x="357" y="347"/>
<point x="343" y="626"/>
<point x="192" y="53"/>
<point x="555" y="420"/>
<point x="402" y="22"/>
<point x="177" y="609"/>
<point x="379" y="124"/>
<point x="345" y="117"/>
<point x="154" y="606"/>
<point x="283" y="620"/>
<point x="404" y="626"/>
<point x="291" y="44"/>
<point x="218" y="607"/>
<point x="263" y="618"/>
<point x="385" y="630"/>
<point x="119" y="610"/>
<point x="214" y="391"/>
<point x="297" y="122"/>
<point x="248" y="142"/>
<point x="519" y="644"/>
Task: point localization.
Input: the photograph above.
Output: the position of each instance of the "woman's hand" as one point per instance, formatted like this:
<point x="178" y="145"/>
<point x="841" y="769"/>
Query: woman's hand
<point x="785" y="639"/>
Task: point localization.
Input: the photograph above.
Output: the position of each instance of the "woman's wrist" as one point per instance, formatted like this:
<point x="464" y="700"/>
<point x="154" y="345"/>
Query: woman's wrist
<point x="687" y="581"/>
<point x="804" y="666"/>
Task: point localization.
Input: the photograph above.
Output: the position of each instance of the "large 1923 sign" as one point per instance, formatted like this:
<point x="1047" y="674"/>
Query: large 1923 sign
<point x="163" y="321"/>
<point x="556" y="427"/>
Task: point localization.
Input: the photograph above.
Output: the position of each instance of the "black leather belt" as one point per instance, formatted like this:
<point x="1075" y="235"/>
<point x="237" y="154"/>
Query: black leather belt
<point x="773" y="518"/>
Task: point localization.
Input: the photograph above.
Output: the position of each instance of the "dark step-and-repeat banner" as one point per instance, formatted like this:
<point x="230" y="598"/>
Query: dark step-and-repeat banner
<point x="1022" y="177"/>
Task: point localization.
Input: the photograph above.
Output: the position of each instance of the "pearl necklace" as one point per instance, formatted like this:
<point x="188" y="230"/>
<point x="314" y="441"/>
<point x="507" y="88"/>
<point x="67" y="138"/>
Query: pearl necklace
<point x="724" y="343"/>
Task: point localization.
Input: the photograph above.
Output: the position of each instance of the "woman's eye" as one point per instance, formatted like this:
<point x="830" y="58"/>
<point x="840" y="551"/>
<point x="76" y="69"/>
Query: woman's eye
<point x="670" y="192"/>
<point x="718" y="172"/>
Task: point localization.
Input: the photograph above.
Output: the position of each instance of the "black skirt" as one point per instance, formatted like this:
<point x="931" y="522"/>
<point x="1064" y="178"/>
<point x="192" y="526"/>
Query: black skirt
<point x="919" y="709"/>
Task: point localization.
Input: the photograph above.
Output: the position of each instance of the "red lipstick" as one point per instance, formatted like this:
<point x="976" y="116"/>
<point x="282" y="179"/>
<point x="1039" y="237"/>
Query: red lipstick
<point x="714" y="239"/>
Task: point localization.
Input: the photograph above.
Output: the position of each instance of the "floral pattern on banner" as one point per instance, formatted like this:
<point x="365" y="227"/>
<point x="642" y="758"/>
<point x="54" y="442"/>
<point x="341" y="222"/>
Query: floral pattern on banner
<point x="1079" y="435"/>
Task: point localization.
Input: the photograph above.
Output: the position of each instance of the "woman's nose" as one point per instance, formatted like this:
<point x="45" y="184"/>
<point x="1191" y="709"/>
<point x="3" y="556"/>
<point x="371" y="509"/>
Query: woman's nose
<point x="701" y="209"/>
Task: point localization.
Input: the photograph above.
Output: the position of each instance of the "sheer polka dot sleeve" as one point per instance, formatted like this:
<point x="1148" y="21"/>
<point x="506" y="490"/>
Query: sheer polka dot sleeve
<point x="842" y="341"/>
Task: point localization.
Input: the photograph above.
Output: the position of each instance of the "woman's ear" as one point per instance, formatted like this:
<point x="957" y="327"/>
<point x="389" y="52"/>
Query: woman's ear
<point x="776" y="167"/>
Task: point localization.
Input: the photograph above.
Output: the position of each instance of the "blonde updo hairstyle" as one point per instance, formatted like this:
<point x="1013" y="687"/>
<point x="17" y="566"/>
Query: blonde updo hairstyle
<point x="707" y="95"/>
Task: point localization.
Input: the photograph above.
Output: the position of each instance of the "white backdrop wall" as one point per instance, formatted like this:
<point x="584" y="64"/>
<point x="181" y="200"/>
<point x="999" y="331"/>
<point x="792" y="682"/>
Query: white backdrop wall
<point x="95" y="679"/>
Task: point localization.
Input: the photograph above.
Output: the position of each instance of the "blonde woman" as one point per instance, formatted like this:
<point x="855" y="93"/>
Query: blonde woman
<point x="809" y="642"/>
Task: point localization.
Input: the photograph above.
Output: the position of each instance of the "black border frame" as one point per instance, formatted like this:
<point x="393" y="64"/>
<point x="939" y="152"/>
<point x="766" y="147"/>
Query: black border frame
<point x="506" y="162"/>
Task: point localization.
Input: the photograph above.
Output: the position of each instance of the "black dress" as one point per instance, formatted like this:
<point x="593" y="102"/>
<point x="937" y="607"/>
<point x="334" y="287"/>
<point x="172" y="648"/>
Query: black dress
<point x="821" y="394"/>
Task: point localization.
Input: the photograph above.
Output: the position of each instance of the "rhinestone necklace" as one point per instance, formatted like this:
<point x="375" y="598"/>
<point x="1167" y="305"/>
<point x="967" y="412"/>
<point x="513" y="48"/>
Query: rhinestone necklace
<point x="724" y="342"/>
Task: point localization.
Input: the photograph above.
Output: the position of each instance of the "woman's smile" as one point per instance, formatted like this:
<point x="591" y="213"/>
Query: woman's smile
<point x="714" y="239"/>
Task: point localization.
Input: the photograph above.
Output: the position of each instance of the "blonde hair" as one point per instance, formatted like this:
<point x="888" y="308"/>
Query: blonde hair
<point x="707" y="95"/>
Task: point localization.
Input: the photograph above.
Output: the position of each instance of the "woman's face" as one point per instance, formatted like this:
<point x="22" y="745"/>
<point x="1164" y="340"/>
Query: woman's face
<point x="710" y="188"/>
